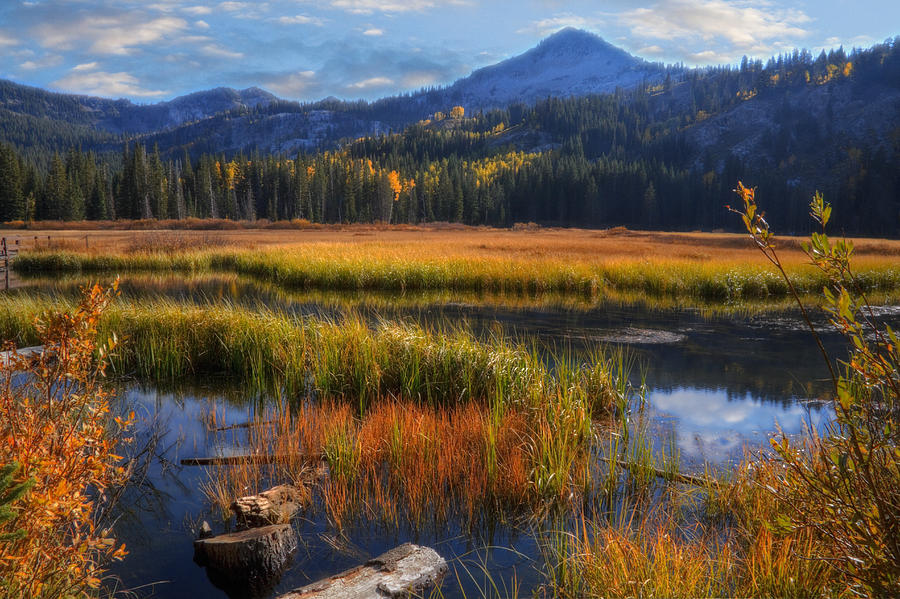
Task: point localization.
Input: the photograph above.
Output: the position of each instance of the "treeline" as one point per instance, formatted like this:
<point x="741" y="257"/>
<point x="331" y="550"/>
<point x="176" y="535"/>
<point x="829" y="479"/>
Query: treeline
<point x="595" y="161"/>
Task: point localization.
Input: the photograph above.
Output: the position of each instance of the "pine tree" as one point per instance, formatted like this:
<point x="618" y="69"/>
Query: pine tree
<point x="12" y="201"/>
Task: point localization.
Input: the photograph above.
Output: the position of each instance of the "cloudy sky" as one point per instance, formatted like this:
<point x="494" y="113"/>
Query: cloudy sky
<point x="148" y="50"/>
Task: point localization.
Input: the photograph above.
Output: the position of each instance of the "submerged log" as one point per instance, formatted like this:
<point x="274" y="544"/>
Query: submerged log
<point x="253" y="556"/>
<point x="678" y="477"/>
<point x="260" y="459"/>
<point x="404" y="570"/>
<point x="275" y="506"/>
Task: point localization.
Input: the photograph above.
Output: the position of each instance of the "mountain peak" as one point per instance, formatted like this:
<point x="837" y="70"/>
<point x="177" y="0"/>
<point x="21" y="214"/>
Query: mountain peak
<point x="569" y="62"/>
<point x="570" y="41"/>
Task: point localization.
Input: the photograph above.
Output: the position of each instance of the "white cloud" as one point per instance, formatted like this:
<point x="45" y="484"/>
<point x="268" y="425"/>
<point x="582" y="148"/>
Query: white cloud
<point x="201" y="24"/>
<point x="101" y="83"/>
<point x="7" y="40"/>
<point x="50" y="60"/>
<point x="372" y="82"/>
<point x="366" y="7"/>
<point x="552" y="24"/>
<point x="653" y="50"/>
<point x="219" y="52"/>
<point x="85" y="66"/>
<point x="417" y="79"/>
<point x="292" y="85"/>
<point x="859" y="41"/>
<point x="108" y="34"/>
<point x="197" y="10"/>
<point x="738" y="26"/>
<point x="300" y="20"/>
<point x="373" y="32"/>
<point x="233" y="6"/>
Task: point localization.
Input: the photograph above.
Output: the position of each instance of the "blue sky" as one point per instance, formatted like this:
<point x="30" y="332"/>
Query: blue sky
<point x="152" y="50"/>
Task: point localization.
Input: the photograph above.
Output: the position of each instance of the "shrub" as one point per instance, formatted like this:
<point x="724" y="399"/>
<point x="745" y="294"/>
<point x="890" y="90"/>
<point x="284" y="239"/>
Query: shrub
<point x="844" y="485"/>
<point x="56" y="428"/>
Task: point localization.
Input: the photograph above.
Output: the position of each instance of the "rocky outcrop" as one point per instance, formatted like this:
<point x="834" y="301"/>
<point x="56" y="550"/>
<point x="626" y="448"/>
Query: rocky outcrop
<point x="402" y="571"/>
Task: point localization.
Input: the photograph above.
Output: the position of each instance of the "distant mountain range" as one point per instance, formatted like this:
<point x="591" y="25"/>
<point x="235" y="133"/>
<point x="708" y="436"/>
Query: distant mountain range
<point x="569" y="63"/>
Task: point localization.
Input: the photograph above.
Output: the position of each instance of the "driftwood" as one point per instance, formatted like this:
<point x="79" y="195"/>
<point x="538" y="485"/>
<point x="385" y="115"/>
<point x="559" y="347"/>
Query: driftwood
<point x="241" y="425"/>
<point x="252" y="558"/>
<point x="688" y="479"/>
<point x="402" y="571"/>
<point x="233" y="460"/>
<point x="255" y="458"/>
<point x="275" y="506"/>
<point x="678" y="477"/>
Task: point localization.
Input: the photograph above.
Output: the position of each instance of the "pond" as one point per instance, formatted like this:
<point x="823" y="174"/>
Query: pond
<point x="715" y="386"/>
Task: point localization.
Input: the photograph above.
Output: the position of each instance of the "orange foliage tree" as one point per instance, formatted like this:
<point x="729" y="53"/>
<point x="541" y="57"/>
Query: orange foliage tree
<point x="57" y="431"/>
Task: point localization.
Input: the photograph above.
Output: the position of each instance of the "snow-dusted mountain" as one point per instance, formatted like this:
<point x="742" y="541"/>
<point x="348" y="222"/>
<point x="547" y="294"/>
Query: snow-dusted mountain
<point x="570" y="62"/>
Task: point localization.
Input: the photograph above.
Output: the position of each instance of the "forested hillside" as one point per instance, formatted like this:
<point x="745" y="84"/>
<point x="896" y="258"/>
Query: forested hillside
<point x="664" y="155"/>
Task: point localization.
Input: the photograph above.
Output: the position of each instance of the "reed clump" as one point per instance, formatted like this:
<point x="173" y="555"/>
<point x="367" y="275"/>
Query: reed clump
<point x="404" y="462"/>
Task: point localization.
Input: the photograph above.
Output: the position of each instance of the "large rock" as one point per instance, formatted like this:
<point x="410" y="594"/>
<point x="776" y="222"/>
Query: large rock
<point x="275" y="506"/>
<point x="404" y="570"/>
<point x="249" y="559"/>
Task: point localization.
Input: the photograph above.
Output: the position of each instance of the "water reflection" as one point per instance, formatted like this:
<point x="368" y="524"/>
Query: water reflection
<point x="715" y="426"/>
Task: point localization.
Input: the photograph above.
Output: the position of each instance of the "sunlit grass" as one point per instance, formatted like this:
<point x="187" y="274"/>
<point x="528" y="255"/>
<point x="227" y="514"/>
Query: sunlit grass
<point x="729" y="278"/>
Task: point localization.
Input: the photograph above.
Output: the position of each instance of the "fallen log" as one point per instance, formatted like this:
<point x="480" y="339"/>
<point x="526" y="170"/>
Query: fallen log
<point x="678" y="477"/>
<point x="260" y="459"/>
<point x="402" y="571"/>
<point x="241" y="425"/>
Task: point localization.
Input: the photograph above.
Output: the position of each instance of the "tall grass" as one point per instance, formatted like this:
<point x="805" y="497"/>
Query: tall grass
<point x="164" y="340"/>
<point x="325" y="268"/>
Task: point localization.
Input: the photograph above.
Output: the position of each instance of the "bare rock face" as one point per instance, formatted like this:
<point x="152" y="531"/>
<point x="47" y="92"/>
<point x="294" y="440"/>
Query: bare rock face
<point x="275" y="506"/>
<point x="250" y="559"/>
<point x="404" y="570"/>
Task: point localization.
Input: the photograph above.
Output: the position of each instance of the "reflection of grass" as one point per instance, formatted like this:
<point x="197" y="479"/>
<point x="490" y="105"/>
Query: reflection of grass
<point x="389" y="268"/>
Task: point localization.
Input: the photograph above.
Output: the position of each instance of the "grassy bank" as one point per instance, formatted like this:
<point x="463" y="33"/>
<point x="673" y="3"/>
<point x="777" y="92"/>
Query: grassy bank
<point x="343" y="267"/>
<point x="270" y="351"/>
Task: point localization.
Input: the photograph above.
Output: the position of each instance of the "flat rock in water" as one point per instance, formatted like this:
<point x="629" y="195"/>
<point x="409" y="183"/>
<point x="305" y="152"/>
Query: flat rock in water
<point x="398" y="573"/>
<point x="256" y="554"/>
<point x="275" y="506"/>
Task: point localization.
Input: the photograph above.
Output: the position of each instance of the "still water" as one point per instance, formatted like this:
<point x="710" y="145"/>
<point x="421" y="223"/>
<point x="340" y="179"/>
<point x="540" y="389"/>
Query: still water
<point x="715" y="387"/>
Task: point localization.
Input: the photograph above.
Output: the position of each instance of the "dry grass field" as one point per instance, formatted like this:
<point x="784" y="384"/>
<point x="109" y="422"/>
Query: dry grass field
<point x="448" y="242"/>
<point x="615" y="263"/>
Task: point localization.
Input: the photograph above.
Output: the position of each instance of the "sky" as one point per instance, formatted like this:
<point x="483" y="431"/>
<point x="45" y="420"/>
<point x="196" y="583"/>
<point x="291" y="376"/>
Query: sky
<point x="154" y="50"/>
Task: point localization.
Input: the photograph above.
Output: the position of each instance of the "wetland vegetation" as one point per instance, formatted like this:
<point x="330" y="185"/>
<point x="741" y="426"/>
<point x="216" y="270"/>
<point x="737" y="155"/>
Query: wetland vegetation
<point x="542" y="468"/>
<point x="687" y="269"/>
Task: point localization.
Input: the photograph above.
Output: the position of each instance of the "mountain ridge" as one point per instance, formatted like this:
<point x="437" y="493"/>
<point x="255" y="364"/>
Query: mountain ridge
<point x="569" y="62"/>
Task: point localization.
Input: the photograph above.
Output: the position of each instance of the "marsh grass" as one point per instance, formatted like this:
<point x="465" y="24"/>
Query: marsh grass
<point x="402" y="462"/>
<point x="289" y="355"/>
<point x="378" y="268"/>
